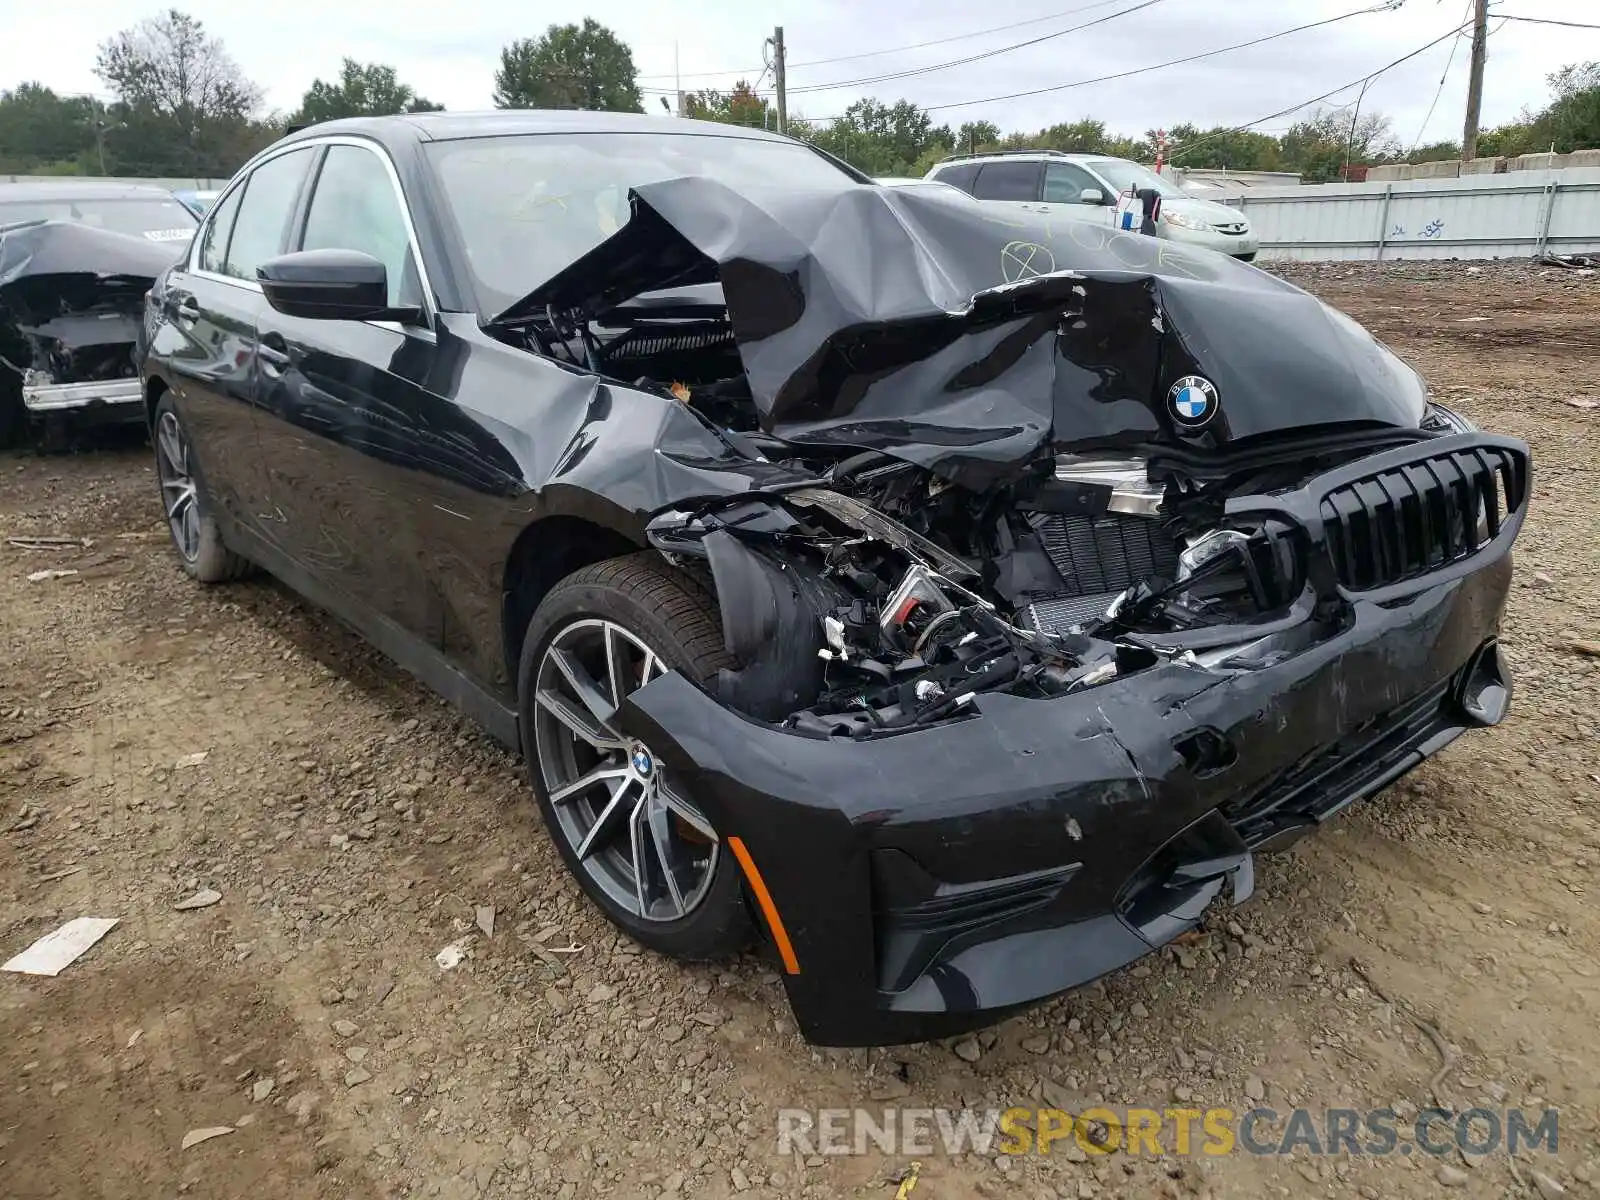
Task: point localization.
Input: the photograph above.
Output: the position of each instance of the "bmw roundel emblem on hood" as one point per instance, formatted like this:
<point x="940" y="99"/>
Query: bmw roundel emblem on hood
<point x="1193" y="401"/>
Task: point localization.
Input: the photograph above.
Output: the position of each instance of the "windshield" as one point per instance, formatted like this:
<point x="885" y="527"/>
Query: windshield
<point x="527" y="206"/>
<point x="148" y="217"/>
<point x="1131" y="177"/>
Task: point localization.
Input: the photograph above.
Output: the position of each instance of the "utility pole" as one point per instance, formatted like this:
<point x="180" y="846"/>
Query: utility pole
<point x="1480" y="53"/>
<point x="778" y="79"/>
<point x="97" y="125"/>
<point x="100" y="140"/>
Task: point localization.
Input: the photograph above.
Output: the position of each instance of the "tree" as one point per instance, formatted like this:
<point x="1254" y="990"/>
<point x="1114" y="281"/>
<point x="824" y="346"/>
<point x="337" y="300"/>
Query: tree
<point x="741" y="106"/>
<point x="571" y="66"/>
<point x="883" y="139"/>
<point x="1438" y="151"/>
<point x="170" y="65"/>
<point x="184" y="106"/>
<point x="39" y="128"/>
<point x="1572" y="122"/>
<point x="1319" y="146"/>
<point x="362" y="90"/>
<point x="1518" y="137"/>
<point x="976" y="136"/>
<point x="1223" y="147"/>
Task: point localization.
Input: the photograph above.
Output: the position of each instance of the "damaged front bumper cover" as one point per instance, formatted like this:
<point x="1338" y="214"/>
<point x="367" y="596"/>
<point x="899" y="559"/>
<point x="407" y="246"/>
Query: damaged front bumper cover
<point x="112" y="399"/>
<point x="937" y="880"/>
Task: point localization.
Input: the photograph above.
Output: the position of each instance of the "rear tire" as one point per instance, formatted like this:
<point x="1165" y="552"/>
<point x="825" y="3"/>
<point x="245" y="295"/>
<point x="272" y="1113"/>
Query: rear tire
<point x="194" y="531"/>
<point x="614" y="624"/>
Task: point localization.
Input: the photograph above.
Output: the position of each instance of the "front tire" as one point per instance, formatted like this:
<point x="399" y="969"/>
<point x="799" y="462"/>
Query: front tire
<point x="195" y="535"/>
<point x="635" y="842"/>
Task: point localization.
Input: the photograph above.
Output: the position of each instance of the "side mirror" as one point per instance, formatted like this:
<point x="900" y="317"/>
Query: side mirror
<point x="332" y="285"/>
<point x="1091" y="196"/>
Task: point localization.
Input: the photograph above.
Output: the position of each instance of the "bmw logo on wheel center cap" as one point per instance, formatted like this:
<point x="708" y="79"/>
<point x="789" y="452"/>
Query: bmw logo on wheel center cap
<point x="643" y="764"/>
<point x="1193" y="401"/>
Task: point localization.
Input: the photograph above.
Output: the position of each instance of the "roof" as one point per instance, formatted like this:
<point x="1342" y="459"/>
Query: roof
<point x="507" y="122"/>
<point x="1024" y="156"/>
<point x="82" y="189"/>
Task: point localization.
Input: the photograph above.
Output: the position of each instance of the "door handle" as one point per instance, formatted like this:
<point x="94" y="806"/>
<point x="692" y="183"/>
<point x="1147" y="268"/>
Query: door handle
<point x="274" y="351"/>
<point x="188" y="309"/>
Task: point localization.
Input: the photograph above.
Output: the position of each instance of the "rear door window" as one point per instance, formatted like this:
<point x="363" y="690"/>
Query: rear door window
<point x="961" y="175"/>
<point x="214" y="244"/>
<point x="1008" y="181"/>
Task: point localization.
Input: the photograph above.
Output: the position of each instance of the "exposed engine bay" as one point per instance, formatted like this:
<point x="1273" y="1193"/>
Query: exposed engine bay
<point x="96" y="342"/>
<point x="1011" y="488"/>
<point x="71" y="302"/>
<point x="885" y="598"/>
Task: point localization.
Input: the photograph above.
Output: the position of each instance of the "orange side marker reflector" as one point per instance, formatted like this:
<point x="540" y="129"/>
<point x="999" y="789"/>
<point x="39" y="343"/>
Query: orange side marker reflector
<point x="780" y="935"/>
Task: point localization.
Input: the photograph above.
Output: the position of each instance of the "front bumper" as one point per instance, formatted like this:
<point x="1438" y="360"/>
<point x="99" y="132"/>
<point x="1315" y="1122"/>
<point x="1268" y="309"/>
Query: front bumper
<point x="936" y="881"/>
<point x="109" y="399"/>
<point x="1240" y="245"/>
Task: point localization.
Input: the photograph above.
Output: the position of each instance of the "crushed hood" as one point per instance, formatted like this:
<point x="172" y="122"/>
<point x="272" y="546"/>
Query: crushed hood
<point x="968" y="338"/>
<point x="44" y="263"/>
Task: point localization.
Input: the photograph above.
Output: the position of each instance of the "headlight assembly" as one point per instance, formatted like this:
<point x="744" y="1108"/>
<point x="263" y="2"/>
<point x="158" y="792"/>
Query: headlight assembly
<point x="1439" y="419"/>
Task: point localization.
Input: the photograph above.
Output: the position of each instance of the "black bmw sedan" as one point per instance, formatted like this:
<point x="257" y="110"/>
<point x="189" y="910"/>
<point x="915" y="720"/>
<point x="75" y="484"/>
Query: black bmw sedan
<point x="956" y="597"/>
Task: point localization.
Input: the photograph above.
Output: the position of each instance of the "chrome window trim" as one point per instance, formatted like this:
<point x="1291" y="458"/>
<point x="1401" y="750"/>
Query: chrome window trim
<point x="430" y="308"/>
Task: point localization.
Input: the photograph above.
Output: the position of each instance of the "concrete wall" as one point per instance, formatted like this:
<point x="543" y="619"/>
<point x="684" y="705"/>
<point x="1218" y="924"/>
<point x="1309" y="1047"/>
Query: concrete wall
<point x="1517" y="215"/>
<point x="1251" y="179"/>
<point x="175" y="185"/>
<point x="1450" y="168"/>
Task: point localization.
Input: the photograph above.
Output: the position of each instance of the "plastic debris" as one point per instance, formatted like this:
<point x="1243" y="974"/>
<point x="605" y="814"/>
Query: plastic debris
<point x="195" y="1136"/>
<point x="50" y="543"/>
<point x="41" y="576"/>
<point x="1572" y="262"/>
<point x="204" y="898"/>
<point x="191" y="760"/>
<point x="453" y="955"/>
<point x="56" y="951"/>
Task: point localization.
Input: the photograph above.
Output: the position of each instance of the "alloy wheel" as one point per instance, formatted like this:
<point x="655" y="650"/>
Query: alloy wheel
<point x="633" y="833"/>
<point x="178" y="492"/>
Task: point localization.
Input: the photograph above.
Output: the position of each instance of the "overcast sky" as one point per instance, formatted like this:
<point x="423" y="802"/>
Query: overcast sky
<point x="449" y="52"/>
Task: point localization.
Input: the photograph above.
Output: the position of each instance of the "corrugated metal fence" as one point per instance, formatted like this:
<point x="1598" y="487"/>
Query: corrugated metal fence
<point x="1518" y="215"/>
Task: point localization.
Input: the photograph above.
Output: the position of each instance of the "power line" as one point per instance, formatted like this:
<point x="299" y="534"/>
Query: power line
<point x="955" y="37"/>
<point x="1450" y="62"/>
<point x="972" y="58"/>
<point x="1547" y="21"/>
<point x="1344" y="87"/>
<point x="1389" y="5"/>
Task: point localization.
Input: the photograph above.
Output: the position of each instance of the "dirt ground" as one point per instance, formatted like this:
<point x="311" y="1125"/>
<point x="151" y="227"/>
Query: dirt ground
<point x="353" y="825"/>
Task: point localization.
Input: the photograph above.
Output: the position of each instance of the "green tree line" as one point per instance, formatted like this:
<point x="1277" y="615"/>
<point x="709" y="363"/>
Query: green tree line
<point x="180" y="105"/>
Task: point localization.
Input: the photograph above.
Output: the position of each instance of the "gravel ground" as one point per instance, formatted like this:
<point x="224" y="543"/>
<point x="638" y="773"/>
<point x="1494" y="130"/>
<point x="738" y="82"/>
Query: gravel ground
<point x="157" y="739"/>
